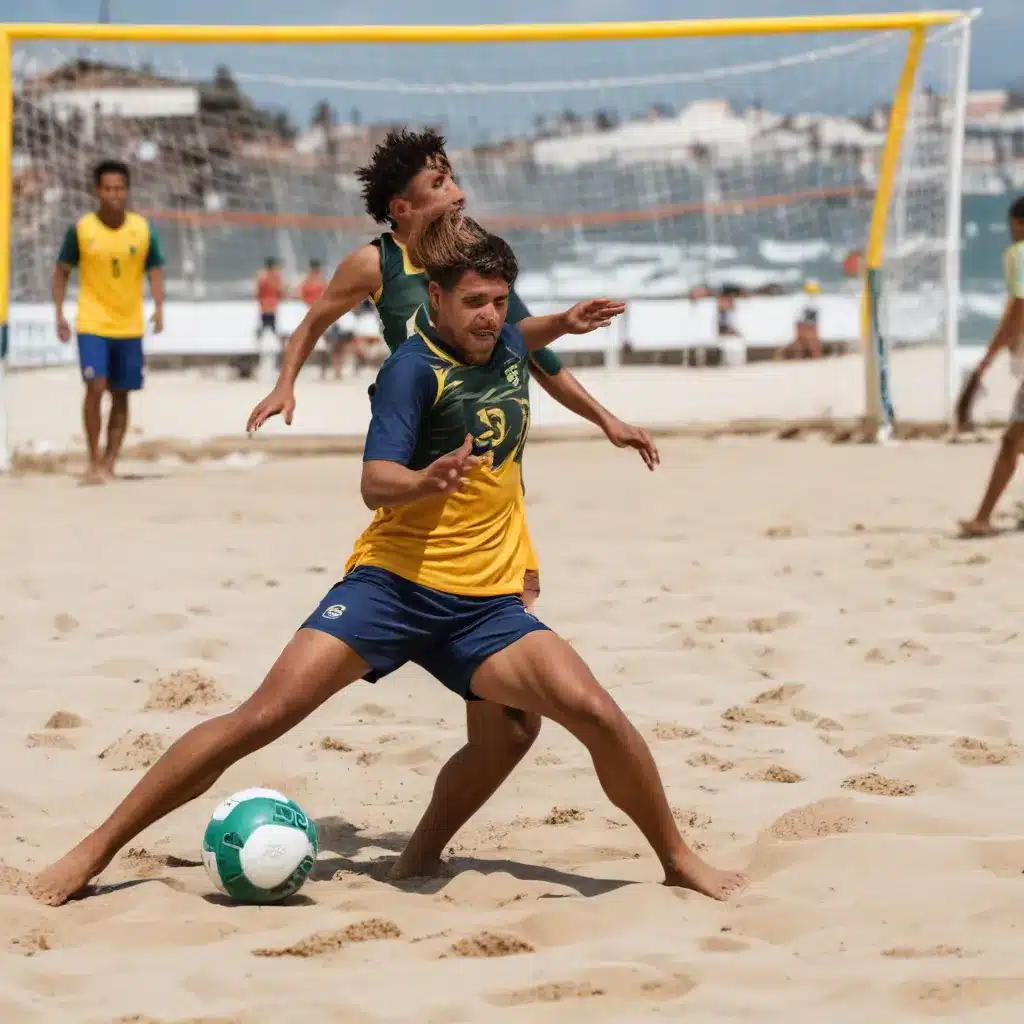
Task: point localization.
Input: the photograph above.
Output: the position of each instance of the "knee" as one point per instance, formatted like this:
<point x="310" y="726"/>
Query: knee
<point x="119" y="401"/>
<point x="594" y="711"/>
<point x="253" y="725"/>
<point x="523" y="729"/>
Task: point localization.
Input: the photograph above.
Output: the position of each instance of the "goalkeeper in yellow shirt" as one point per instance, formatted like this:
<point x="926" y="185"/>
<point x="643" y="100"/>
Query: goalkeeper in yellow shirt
<point x="114" y="250"/>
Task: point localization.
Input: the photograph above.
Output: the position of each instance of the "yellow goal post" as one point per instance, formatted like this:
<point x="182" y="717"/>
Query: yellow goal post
<point x="732" y="188"/>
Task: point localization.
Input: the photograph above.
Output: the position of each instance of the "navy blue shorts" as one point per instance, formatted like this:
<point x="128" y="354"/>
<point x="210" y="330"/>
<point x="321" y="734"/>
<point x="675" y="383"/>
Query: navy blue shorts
<point x="118" y="360"/>
<point x="388" y="621"/>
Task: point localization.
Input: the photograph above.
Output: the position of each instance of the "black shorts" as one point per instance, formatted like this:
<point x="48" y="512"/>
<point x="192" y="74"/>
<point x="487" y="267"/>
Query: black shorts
<point x="268" y="320"/>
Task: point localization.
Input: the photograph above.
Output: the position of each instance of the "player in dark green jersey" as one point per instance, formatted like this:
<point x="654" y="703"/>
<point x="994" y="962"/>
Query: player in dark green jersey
<point x="409" y="181"/>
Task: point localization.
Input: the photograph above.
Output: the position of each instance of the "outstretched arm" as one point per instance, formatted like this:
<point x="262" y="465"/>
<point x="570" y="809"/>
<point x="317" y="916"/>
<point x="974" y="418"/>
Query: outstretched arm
<point x="357" y="277"/>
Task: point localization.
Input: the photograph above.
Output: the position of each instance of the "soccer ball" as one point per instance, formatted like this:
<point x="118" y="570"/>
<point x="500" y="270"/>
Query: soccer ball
<point x="259" y="846"/>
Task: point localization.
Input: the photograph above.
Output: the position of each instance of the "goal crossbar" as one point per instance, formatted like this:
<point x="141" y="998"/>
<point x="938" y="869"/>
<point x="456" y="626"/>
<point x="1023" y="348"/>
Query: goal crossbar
<point x="553" y="32"/>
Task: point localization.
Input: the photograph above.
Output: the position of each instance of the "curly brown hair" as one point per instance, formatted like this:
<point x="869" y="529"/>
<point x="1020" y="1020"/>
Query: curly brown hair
<point x="395" y="162"/>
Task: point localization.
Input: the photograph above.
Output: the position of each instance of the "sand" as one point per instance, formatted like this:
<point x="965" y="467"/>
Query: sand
<point x="830" y="683"/>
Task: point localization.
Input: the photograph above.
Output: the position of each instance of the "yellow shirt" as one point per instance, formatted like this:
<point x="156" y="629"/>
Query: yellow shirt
<point x="424" y="403"/>
<point x="1013" y="270"/>
<point x="112" y="263"/>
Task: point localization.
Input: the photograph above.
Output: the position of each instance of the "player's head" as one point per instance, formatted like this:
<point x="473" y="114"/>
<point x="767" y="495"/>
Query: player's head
<point x="1017" y="220"/>
<point x="111" y="180"/>
<point x="408" y="172"/>
<point x="314" y="266"/>
<point x="270" y="263"/>
<point x="471" y="273"/>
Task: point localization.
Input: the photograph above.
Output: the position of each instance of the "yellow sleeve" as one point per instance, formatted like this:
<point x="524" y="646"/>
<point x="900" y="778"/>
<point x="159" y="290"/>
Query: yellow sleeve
<point x="1015" y="271"/>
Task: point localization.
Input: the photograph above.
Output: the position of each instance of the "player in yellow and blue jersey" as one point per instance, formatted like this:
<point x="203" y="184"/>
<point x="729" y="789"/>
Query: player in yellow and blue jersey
<point x="436" y="579"/>
<point x="1009" y="335"/>
<point x="113" y="250"/>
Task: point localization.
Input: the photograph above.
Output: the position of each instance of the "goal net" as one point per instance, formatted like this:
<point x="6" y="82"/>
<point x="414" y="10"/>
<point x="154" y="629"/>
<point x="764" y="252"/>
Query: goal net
<point x="658" y="170"/>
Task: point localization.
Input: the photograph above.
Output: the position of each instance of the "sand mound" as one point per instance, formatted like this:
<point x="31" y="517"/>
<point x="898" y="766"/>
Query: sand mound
<point x="828" y="817"/>
<point x="879" y="785"/>
<point x="778" y="694"/>
<point x="12" y="880"/>
<point x="975" y="753"/>
<point x="750" y="716"/>
<point x="332" y="743"/>
<point x="133" y="751"/>
<point x="671" y="731"/>
<point x="776" y="773"/>
<point x="180" y="690"/>
<point x="564" y="815"/>
<point x="551" y="992"/>
<point x="490" y="944"/>
<point x="64" y="720"/>
<point x="323" y="943"/>
<point x="914" y="953"/>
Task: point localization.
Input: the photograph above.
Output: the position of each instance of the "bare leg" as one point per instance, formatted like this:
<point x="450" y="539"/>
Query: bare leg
<point x="531" y="588"/>
<point x="92" y="420"/>
<point x="1002" y="473"/>
<point x="117" y="426"/>
<point x="497" y="740"/>
<point x="312" y="668"/>
<point x="543" y="674"/>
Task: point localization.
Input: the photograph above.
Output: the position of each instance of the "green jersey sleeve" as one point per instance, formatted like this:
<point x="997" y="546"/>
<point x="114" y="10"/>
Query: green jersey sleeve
<point x="547" y="361"/>
<point x="69" y="247"/>
<point x="155" y="256"/>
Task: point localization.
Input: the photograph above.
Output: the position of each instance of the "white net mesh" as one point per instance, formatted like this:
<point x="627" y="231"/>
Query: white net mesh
<point x="643" y="169"/>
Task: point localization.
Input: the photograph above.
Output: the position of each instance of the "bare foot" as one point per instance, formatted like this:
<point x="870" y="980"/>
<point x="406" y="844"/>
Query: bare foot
<point x="977" y="528"/>
<point x="70" y="875"/>
<point x="410" y="865"/>
<point x="94" y="476"/>
<point x="695" y="874"/>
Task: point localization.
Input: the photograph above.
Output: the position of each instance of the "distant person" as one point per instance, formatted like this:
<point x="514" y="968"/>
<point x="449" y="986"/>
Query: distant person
<point x="1009" y="335"/>
<point x="113" y="250"/>
<point x="725" y="303"/>
<point x="807" y="343"/>
<point x="367" y="342"/>
<point x="269" y="293"/>
<point x="853" y="263"/>
<point x="311" y="288"/>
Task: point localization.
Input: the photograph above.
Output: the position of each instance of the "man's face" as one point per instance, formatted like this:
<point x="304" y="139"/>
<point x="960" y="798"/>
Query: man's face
<point x="112" y="192"/>
<point x="1017" y="229"/>
<point x="433" y="190"/>
<point x="471" y="315"/>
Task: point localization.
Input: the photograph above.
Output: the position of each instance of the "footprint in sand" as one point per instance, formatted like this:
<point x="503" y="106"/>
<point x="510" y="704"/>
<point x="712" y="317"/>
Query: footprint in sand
<point x="564" y="816"/>
<point x="140" y="863"/>
<point x="722" y="944"/>
<point x="925" y="952"/>
<point x="65" y="623"/>
<point x="959" y="995"/>
<point x="208" y="648"/>
<point x="977" y="753"/>
<point x="779" y="694"/>
<point x="672" y="731"/>
<point x="52" y="740"/>
<point x="707" y="760"/>
<point x="374" y="712"/>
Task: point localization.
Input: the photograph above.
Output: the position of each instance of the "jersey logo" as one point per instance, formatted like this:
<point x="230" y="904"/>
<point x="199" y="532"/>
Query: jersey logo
<point x="512" y="374"/>
<point x="335" y="611"/>
<point x="131" y="250"/>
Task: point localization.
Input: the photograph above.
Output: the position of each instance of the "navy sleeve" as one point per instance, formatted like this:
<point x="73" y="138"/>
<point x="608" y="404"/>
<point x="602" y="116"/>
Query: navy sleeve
<point x="68" y="254"/>
<point x="546" y="360"/>
<point x="405" y="388"/>
<point x="516" y="308"/>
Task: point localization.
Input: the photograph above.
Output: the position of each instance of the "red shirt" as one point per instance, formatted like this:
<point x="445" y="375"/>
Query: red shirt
<point x="312" y="288"/>
<point x="269" y="291"/>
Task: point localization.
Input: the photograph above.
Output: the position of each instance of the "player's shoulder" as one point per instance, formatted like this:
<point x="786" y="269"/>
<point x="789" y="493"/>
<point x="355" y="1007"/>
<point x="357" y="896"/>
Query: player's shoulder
<point x="1014" y="251"/>
<point x="86" y="223"/>
<point x="512" y="339"/>
<point x="136" y="222"/>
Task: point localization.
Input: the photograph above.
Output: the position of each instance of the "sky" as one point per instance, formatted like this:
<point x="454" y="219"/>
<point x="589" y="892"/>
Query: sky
<point x="850" y="84"/>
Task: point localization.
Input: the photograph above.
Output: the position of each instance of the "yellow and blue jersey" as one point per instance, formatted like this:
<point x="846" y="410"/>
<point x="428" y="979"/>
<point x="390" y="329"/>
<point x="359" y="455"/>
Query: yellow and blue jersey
<point x="423" y="404"/>
<point x="112" y="263"/>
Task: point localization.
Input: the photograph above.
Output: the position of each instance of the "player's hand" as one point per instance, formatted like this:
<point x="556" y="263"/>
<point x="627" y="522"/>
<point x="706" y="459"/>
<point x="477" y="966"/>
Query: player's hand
<point x="447" y="473"/>
<point x="625" y="435"/>
<point x="157" y="320"/>
<point x="592" y="314"/>
<point x="63" y="330"/>
<point x="280" y="401"/>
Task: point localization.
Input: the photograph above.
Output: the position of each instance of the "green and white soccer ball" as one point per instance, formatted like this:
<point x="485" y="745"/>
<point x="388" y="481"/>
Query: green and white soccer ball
<point x="259" y="846"/>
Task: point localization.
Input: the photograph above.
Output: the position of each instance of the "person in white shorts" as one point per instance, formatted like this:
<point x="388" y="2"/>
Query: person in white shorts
<point x="367" y="340"/>
<point x="1009" y="335"/>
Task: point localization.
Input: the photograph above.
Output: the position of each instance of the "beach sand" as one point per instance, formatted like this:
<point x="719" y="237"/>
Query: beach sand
<point x="830" y="683"/>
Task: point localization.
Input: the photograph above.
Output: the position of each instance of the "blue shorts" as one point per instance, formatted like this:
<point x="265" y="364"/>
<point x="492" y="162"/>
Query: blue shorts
<point x="118" y="360"/>
<point x="388" y="621"/>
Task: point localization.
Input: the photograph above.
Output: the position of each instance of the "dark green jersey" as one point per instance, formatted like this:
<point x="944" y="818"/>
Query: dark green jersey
<point x="404" y="289"/>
